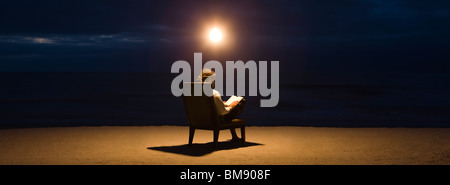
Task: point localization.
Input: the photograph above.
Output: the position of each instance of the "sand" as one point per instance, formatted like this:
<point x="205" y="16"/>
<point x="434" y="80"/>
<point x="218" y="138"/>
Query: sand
<point x="167" y="145"/>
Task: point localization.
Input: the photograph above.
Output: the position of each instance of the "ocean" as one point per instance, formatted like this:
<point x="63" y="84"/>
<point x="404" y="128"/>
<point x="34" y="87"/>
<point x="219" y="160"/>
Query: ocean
<point x="33" y="99"/>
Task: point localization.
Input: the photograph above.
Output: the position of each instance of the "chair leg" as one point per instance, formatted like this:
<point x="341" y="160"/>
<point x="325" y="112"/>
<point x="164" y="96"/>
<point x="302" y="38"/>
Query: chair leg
<point x="216" y="137"/>
<point x="191" y="135"/>
<point x="243" y="134"/>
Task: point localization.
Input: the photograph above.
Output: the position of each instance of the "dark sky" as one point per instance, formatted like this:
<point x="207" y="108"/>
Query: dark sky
<point x="364" y="36"/>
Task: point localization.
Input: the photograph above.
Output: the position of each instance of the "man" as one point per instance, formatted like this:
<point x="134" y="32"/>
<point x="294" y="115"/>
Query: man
<point x="225" y="112"/>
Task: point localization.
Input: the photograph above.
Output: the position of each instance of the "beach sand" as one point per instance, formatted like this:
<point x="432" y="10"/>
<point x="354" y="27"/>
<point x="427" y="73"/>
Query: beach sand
<point x="167" y="145"/>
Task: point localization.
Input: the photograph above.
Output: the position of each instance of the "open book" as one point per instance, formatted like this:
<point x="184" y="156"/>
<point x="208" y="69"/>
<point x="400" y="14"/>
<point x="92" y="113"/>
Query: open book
<point x="232" y="99"/>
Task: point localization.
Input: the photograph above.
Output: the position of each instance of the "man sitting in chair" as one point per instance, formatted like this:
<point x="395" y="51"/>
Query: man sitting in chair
<point x="225" y="112"/>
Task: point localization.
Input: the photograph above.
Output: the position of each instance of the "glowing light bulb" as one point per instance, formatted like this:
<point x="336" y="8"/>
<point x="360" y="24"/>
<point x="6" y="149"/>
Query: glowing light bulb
<point x="215" y="35"/>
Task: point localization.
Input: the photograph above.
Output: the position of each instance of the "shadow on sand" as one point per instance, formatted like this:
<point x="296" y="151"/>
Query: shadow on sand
<point x="201" y="149"/>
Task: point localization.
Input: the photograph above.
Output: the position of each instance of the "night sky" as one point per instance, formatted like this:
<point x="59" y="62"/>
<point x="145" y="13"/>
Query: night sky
<point x="349" y="36"/>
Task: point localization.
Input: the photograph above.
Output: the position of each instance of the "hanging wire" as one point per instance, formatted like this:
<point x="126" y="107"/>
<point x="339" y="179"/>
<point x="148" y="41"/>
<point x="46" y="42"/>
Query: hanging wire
<point x="214" y="10"/>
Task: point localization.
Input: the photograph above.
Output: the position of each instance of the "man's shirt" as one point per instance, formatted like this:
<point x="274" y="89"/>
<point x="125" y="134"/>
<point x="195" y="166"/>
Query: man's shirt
<point x="218" y="102"/>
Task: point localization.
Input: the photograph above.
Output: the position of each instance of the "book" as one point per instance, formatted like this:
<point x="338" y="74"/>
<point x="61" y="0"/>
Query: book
<point x="232" y="99"/>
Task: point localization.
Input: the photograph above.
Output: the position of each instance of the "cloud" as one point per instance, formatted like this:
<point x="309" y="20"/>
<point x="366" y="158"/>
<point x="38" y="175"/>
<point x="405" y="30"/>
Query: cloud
<point x="73" y="40"/>
<point x="39" y="40"/>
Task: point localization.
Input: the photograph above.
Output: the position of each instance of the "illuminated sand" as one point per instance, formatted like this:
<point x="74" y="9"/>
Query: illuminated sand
<point x="267" y="145"/>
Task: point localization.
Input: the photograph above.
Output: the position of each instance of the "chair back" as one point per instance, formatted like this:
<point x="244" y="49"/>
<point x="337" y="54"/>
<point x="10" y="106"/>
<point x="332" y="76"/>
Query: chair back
<point x="200" y="110"/>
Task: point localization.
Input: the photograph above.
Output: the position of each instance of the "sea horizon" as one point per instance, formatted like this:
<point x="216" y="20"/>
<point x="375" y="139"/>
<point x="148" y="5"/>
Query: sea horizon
<point x="48" y="99"/>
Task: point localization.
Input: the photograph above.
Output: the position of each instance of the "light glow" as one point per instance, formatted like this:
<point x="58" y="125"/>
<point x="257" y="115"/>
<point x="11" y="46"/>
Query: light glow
<point x="215" y="35"/>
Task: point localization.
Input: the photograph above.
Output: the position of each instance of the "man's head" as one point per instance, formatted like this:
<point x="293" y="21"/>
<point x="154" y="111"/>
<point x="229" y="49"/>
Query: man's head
<point x="208" y="73"/>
